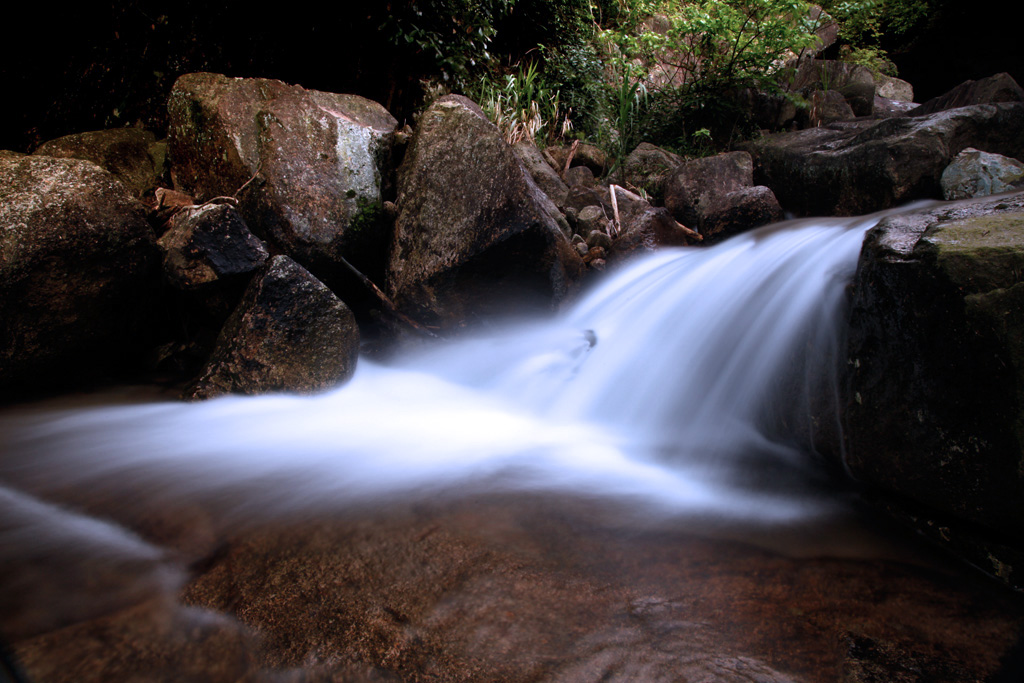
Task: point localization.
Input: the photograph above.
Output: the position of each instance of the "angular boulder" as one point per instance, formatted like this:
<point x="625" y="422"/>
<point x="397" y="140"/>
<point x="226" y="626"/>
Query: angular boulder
<point x="473" y="232"/>
<point x="935" y="414"/>
<point x="77" y="272"/>
<point x="716" y="196"/>
<point x="289" y="333"/>
<point x="132" y="155"/>
<point x="207" y="245"/>
<point x="317" y="161"/>
<point x="974" y="173"/>
<point x="893" y="89"/>
<point x="858" y="167"/>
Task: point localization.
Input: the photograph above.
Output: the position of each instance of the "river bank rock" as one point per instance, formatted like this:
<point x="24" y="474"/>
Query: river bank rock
<point x="716" y="196"/>
<point x="974" y="173"/>
<point x="78" y="267"/>
<point x="474" y="232"/>
<point x="318" y="162"/>
<point x="857" y="167"/>
<point x="132" y="155"/>
<point x="289" y="333"/>
<point x="935" y="414"/>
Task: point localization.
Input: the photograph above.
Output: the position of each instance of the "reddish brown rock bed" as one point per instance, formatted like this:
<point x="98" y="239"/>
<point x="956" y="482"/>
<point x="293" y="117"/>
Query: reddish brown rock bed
<point x="529" y="587"/>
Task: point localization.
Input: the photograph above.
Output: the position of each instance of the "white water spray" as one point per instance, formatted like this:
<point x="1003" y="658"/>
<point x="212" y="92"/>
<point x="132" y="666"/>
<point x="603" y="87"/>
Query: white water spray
<point x="666" y="385"/>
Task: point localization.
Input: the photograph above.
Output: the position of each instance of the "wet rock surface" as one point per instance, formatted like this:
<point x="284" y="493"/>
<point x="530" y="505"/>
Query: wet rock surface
<point x="936" y="374"/>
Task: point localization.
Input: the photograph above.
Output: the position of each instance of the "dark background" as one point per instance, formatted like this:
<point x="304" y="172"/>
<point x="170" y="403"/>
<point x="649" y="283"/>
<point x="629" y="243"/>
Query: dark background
<point x="106" y="64"/>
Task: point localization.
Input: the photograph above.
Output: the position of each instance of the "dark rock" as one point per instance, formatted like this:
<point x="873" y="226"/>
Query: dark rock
<point x="826" y="107"/>
<point x="935" y="412"/>
<point x="591" y="156"/>
<point x="130" y="154"/>
<point x="579" y="176"/>
<point x="991" y="90"/>
<point x="78" y="271"/>
<point x="473" y="232"/>
<point x="715" y="196"/>
<point x="864" y="166"/>
<point x="319" y="161"/>
<point x="60" y="568"/>
<point x="599" y="238"/>
<point x="207" y="245"/>
<point x="540" y="170"/>
<point x="289" y="333"/>
<point x="885" y="108"/>
<point x="160" y="642"/>
<point x="854" y="82"/>
<point x="647" y="166"/>
<point x="894" y="89"/>
<point x="974" y="173"/>
<point x="592" y="218"/>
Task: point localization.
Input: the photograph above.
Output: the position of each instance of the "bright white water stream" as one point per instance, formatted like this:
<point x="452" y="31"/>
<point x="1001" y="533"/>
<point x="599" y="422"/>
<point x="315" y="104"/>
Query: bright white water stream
<point x="682" y="381"/>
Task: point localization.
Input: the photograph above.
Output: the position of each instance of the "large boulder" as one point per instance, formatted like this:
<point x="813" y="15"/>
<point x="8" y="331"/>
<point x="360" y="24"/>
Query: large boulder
<point x="716" y="196"/>
<point x="318" y="161"/>
<point x="289" y="333"/>
<point x="858" y="167"/>
<point x="998" y="88"/>
<point x="473" y="231"/>
<point x="131" y="154"/>
<point x="935" y="414"/>
<point x="77" y="272"/>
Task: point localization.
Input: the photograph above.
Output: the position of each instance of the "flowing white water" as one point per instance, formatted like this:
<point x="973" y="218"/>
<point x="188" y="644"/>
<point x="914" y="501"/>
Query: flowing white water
<point x="670" y="384"/>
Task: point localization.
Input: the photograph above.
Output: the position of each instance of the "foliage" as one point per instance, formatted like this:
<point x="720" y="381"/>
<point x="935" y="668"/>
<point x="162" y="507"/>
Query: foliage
<point x="694" y="56"/>
<point x="523" y="107"/>
<point x="867" y="26"/>
<point x="452" y="37"/>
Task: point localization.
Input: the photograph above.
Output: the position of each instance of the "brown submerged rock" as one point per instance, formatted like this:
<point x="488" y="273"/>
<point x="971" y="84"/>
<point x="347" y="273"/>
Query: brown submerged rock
<point x="529" y="588"/>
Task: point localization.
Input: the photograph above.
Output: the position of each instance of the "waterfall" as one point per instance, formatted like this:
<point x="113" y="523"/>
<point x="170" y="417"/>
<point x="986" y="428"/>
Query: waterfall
<point x="670" y="383"/>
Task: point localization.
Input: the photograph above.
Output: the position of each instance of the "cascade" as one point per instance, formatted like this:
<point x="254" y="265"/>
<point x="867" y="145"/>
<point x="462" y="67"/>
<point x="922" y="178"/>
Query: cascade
<point x="669" y="383"/>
